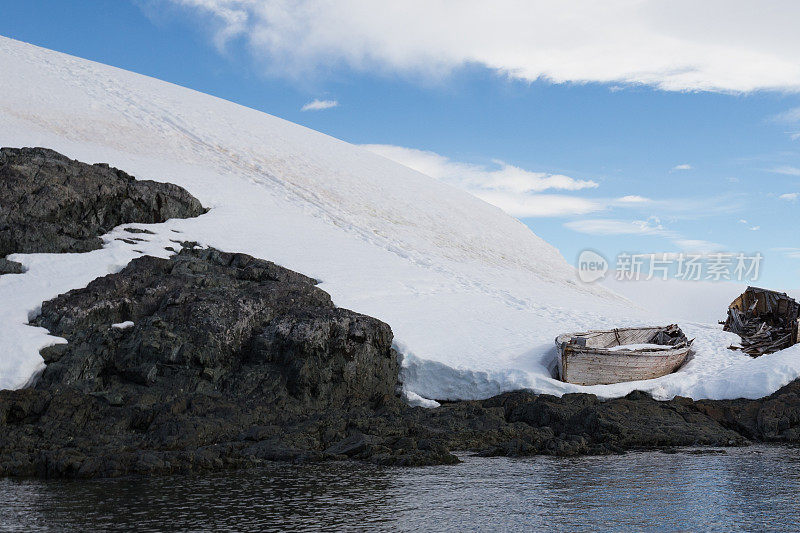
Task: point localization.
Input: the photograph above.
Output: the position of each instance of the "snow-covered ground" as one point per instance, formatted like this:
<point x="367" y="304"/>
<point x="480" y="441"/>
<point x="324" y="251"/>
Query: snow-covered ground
<point x="475" y="298"/>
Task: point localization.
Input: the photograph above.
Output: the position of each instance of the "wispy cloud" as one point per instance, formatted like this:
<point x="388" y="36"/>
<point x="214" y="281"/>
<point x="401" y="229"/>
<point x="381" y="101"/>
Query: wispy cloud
<point x="511" y="188"/>
<point x="698" y="245"/>
<point x="749" y="226"/>
<point x="793" y="253"/>
<point x="687" y="208"/>
<point x="651" y="226"/>
<point x="617" y="42"/>
<point x="790" y="196"/>
<point x="518" y="191"/>
<point x="786" y="170"/>
<point x="684" y="166"/>
<point x="619" y="227"/>
<point x="318" y="105"/>
<point x="788" y="116"/>
<point x="505" y="177"/>
<point x="633" y="199"/>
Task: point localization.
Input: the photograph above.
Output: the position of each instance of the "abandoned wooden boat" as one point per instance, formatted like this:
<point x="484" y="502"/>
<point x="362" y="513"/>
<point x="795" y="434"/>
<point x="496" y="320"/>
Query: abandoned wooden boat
<point x="617" y="355"/>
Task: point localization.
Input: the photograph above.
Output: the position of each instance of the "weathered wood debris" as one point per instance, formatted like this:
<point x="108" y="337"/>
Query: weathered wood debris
<point x="767" y="321"/>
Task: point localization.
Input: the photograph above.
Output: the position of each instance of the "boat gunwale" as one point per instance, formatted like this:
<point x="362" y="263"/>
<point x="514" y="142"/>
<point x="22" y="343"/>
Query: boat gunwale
<point x="672" y="350"/>
<point x="563" y="342"/>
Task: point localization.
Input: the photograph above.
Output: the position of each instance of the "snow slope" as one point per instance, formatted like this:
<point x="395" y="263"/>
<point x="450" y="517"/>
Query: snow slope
<point x="474" y="297"/>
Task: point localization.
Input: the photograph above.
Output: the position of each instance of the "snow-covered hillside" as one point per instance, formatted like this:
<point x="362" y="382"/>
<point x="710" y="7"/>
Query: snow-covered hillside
<point x="474" y="297"/>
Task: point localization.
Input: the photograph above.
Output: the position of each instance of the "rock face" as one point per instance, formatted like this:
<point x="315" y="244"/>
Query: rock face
<point x="775" y="418"/>
<point x="217" y="323"/>
<point x="50" y="203"/>
<point x="231" y="361"/>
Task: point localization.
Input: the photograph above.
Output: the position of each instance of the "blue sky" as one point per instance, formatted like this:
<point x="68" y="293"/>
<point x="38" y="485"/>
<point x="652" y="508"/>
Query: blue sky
<point x="557" y="138"/>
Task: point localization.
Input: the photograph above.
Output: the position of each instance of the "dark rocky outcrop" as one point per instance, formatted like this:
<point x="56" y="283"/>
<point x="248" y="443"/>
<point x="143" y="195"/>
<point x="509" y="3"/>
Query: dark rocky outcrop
<point x="774" y="419"/>
<point x="50" y="203"/>
<point x="232" y="361"/>
<point x="217" y="323"/>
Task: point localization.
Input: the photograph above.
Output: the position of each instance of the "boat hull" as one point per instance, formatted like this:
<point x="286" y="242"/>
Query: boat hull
<point x="594" y="367"/>
<point x="587" y="365"/>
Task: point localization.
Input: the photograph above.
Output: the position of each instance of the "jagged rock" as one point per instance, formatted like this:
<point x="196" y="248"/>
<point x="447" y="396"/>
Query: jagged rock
<point x="218" y="323"/>
<point x="50" y="203"/>
<point x="522" y="423"/>
<point x="775" y="418"/>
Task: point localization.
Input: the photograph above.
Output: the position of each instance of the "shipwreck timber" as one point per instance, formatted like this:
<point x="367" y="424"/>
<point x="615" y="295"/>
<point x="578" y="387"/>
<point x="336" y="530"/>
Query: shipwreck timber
<point x="767" y="321"/>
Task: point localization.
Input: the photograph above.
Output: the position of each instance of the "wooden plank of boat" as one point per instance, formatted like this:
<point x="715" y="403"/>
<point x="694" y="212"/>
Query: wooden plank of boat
<point x="588" y="358"/>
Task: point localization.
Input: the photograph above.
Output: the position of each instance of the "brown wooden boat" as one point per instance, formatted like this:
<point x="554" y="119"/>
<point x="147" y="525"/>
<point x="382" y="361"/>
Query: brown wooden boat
<point x="617" y="355"/>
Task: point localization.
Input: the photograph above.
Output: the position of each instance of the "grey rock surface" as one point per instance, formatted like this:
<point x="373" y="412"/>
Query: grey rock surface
<point x="8" y="266"/>
<point x="50" y="203"/>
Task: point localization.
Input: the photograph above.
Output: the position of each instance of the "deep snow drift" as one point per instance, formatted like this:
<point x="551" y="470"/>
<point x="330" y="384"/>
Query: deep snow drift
<point x="475" y="299"/>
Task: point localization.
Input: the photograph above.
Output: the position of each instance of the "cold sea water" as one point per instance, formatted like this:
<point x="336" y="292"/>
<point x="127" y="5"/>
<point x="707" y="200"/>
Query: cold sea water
<point x="744" y="489"/>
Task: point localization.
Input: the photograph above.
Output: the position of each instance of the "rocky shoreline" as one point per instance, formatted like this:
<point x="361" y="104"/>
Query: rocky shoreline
<point x="231" y="361"/>
<point x="212" y="360"/>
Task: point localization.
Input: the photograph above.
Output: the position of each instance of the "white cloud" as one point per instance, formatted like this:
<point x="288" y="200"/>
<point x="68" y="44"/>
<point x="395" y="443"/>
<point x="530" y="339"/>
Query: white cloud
<point x="793" y="253"/>
<point x="749" y="226"/>
<point x="633" y="199"/>
<point x="698" y="246"/>
<point x="789" y="116"/>
<point x="684" y="166"/>
<point x="714" y="45"/>
<point x="518" y="191"/>
<point x="511" y="188"/>
<point x="506" y="177"/>
<point x="790" y="196"/>
<point x="318" y="105"/>
<point x="652" y="226"/>
<point x="619" y="227"/>
<point x="786" y="170"/>
<point x="687" y="208"/>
